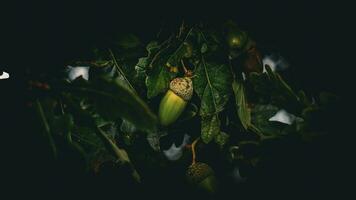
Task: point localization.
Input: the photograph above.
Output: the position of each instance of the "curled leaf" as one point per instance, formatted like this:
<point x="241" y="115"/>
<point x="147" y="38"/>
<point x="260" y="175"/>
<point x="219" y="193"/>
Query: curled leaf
<point x="243" y="111"/>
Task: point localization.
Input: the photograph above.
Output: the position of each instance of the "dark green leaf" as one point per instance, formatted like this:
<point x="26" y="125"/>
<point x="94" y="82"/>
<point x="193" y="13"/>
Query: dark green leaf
<point x="303" y="98"/>
<point x="212" y="84"/>
<point x="221" y="139"/>
<point x="91" y="146"/>
<point x="152" y="48"/>
<point x="119" y="153"/>
<point x="243" y="110"/>
<point x="158" y="75"/>
<point x="46" y="128"/>
<point x="210" y="43"/>
<point x="127" y="41"/>
<point x="63" y="125"/>
<point x="260" y="119"/>
<point x="113" y="101"/>
<point x="144" y="62"/>
<point x="140" y="69"/>
<point x="174" y="60"/>
<point x="272" y="89"/>
<point x="204" y="48"/>
<point x="210" y="127"/>
<point x="127" y="127"/>
<point x="281" y="84"/>
<point x="190" y="111"/>
<point x="158" y="80"/>
<point x="127" y="132"/>
<point x="154" y="139"/>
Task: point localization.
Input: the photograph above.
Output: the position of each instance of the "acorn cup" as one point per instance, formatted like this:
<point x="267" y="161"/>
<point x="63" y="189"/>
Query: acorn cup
<point x="175" y="100"/>
<point x="202" y="176"/>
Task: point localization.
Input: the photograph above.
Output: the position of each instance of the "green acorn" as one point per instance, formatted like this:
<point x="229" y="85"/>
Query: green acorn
<point x="236" y="38"/>
<point x="174" y="102"/>
<point x="202" y="176"/>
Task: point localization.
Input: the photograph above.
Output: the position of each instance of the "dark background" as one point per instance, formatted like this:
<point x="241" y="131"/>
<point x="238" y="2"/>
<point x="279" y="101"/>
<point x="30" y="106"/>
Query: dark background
<point x="313" y="36"/>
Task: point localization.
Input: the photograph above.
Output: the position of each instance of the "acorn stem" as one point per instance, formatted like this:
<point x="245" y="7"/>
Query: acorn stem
<point x="184" y="68"/>
<point x="193" y="150"/>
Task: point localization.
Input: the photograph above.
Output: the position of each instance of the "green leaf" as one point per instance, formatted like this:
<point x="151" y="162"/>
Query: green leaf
<point x="303" y="98"/>
<point x="181" y="49"/>
<point x="140" y="69"/>
<point x="260" y="118"/>
<point x="210" y="127"/>
<point x="127" y="127"/>
<point x="221" y="139"/>
<point x="243" y="111"/>
<point x="153" y="139"/>
<point x="210" y="43"/>
<point x="189" y="112"/>
<point x="158" y="80"/>
<point x="270" y="88"/>
<point x="212" y="85"/>
<point x="46" y="127"/>
<point x="121" y="154"/>
<point x="204" y="48"/>
<point x="175" y="59"/>
<point x="152" y="48"/>
<point x="144" y="62"/>
<point x="63" y="125"/>
<point x="281" y="84"/>
<point x="127" y="131"/>
<point x="127" y="41"/>
<point x="158" y="75"/>
<point x="112" y="101"/>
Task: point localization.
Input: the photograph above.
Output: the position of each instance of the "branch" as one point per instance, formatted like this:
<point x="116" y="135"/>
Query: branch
<point x="120" y="154"/>
<point x="46" y="127"/>
<point x="121" y="71"/>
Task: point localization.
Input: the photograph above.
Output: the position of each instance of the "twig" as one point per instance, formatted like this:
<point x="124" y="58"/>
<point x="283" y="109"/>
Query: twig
<point x="231" y="69"/>
<point x="46" y="127"/>
<point x="193" y="151"/>
<point x="185" y="39"/>
<point x="184" y="68"/>
<point x="160" y="51"/>
<point x="181" y="29"/>
<point x="80" y="139"/>
<point x="160" y="30"/>
<point x="120" y="154"/>
<point x="202" y="34"/>
<point x="121" y="71"/>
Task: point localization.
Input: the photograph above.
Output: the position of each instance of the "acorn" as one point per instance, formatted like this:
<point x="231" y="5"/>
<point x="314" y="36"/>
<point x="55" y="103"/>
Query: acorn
<point x="202" y="176"/>
<point x="236" y="38"/>
<point x="175" y="100"/>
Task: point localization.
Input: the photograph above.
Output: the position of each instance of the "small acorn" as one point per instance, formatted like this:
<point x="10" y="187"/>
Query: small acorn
<point x="175" y="100"/>
<point x="236" y="38"/>
<point x="202" y="176"/>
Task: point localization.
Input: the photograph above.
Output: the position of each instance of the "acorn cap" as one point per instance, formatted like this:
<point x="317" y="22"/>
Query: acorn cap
<point x="183" y="87"/>
<point x="197" y="172"/>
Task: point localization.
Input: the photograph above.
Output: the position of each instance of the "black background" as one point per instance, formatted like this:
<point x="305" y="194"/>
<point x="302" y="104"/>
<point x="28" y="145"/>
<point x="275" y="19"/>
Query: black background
<point x="313" y="36"/>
